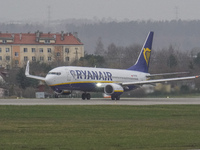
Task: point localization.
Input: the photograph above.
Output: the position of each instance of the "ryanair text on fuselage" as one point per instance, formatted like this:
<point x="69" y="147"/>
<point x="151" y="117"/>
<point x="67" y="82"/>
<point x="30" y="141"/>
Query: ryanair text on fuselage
<point x="93" y="75"/>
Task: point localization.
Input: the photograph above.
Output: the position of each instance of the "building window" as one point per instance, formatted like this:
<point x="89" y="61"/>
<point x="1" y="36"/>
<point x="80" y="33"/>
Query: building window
<point x="33" y="50"/>
<point x="41" y="50"/>
<point x="66" y="50"/>
<point x="0" y="58"/>
<point x="0" y="50"/>
<point x="4" y="41"/>
<point x="49" y="50"/>
<point x="49" y="58"/>
<point x="58" y="54"/>
<point x="67" y="58"/>
<point x="7" y="50"/>
<point x="25" y="50"/>
<point x="41" y="58"/>
<point x="16" y="54"/>
<point x="25" y="58"/>
<point x="47" y="41"/>
<point x="8" y="58"/>
<point x="16" y="62"/>
<point x="33" y="58"/>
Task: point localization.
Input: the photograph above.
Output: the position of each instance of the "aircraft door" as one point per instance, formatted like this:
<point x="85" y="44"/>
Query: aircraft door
<point x="71" y="75"/>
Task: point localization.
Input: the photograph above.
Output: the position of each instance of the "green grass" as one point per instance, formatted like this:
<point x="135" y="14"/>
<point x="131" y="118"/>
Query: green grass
<point x="175" y="127"/>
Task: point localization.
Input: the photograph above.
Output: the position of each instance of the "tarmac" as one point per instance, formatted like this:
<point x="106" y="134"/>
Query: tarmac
<point x="102" y="101"/>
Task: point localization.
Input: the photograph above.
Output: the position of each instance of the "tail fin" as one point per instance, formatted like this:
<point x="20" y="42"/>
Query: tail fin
<point x="142" y="63"/>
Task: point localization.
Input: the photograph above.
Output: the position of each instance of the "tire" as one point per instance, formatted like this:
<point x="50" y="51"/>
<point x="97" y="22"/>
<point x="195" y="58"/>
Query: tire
<point x="83" y="96"/>
<point x="112" y="97"/>
<point x="88" y="96"/>
<point x="117" y="97"/>
<point x="56" y="95"/>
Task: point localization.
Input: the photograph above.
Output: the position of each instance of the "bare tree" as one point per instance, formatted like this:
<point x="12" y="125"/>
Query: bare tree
<point x="99" y="50"/>
<point x="130" y="55"/>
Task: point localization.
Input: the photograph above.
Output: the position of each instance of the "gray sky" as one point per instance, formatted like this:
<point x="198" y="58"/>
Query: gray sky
<point x="90" y="9"/>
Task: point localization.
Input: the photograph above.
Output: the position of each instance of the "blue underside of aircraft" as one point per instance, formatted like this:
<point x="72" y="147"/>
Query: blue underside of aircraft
<point x="85" y="87"/>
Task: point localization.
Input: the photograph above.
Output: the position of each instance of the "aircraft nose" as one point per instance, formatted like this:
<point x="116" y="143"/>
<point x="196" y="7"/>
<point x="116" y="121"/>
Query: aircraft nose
<point x="49" y="80"/>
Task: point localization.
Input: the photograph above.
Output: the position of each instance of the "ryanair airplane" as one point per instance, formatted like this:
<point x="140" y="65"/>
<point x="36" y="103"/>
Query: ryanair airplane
<point x="113" y="82"/>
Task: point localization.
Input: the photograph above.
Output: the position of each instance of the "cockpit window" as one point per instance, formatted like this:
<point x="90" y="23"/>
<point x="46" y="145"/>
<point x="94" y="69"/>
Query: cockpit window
<point x="55" y="73"/>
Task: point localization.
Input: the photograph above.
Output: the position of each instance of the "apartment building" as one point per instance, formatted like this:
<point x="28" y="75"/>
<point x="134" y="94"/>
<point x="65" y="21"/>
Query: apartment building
<point x="17" y="48"/>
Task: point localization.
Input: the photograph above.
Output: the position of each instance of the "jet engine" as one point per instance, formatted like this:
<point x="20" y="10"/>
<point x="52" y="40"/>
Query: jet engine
<point x="113" y="89"/>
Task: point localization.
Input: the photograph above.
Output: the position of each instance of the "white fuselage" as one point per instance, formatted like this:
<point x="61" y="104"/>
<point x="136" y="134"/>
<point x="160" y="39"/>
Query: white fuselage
<point x="88" y="79"/>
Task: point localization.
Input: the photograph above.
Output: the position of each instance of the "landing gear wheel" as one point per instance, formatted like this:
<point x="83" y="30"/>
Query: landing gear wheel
<point x="113" y="97"/>
<point x="117" y="97"/>
<point x="83" y="96"/>
<point x="56" y="95"/>
<point x="88" y="96"/>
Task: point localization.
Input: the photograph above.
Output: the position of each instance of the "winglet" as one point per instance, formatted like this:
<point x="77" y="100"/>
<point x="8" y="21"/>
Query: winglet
<point x="27" y="69"/>
<point x="32" y="76"/>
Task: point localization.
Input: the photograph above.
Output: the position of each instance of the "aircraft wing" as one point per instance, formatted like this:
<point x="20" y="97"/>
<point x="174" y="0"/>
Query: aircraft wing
<point x="32" y="76"/>
<point x="166" y="74"/>
<point x="158" y="80"/>
<point x="36" y="77"/>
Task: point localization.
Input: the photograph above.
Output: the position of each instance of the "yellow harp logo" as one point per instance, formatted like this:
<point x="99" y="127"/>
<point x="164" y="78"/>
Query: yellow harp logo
<point x="146" y="54"/>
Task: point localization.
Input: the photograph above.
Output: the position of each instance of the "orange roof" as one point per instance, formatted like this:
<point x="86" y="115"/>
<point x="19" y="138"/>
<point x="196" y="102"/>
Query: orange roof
<point x="32" y="38"/>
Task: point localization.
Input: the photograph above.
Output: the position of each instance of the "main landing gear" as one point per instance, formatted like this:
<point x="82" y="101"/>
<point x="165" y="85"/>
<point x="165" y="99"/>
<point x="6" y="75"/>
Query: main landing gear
<point x="86" y="96"/>
<point x="115" y="97"/>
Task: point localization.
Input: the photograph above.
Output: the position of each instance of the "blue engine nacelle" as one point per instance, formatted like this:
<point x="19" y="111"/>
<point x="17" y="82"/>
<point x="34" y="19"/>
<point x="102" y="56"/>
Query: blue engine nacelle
<point x="113" y="89"/>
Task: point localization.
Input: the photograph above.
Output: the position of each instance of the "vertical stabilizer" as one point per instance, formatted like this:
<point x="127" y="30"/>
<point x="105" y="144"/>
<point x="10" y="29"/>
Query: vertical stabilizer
<point x="143" y="60"/>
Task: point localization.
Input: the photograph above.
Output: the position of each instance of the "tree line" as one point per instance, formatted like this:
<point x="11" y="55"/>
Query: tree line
<point x="185" y="35"/>
<point x="169" y="59"/>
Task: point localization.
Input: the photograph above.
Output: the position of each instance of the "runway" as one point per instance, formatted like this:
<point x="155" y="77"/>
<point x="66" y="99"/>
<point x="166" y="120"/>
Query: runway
<point x="101" y="101"/>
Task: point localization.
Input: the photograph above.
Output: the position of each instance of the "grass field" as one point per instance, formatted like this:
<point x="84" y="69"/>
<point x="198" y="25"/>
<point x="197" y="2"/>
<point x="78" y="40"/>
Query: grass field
<point x="175" y="127"/>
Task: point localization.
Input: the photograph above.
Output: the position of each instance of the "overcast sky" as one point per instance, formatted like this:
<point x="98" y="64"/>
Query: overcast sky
<point x="89" y="9"/>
